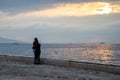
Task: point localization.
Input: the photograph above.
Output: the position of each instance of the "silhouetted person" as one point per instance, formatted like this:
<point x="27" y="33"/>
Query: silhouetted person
<point x="37" y="51"/>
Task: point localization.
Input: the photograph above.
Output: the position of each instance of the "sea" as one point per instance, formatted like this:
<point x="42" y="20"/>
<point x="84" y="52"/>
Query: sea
<point x="94" y="53"/>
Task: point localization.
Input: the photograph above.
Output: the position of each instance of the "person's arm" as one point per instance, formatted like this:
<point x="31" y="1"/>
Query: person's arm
<point x="34" y="46"/>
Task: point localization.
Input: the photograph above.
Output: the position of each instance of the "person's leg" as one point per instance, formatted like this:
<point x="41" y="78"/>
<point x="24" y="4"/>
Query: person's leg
<point x="35" y="58"/>
<point x="38" y="58"/>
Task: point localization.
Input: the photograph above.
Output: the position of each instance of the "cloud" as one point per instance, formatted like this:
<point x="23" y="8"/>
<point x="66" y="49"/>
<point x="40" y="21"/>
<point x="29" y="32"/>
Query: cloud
<point x="82" y="22"/>
<point x="64" y="22"/>
<point x="67" y="7"/>
<point x="65" y="28"/>
<point x="76" y="9"/>
<point x="48" y="16"/>
<point x="15" y="7"/>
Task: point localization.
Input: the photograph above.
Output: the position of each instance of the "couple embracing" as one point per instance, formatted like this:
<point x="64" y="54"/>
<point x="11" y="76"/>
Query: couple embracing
<point x="37" y="51"/>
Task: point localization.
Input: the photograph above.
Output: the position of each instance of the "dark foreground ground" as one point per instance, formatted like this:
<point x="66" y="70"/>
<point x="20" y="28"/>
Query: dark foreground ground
<point x="15" y="70"/>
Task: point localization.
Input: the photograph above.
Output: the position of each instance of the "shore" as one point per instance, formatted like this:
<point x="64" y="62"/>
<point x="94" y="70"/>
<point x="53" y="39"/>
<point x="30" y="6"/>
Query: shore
<point x="24" y="69"/>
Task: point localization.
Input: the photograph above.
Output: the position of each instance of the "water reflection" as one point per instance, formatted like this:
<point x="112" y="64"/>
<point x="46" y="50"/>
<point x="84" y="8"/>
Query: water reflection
<point x="105" y="53"/>
<point x="99" y="53"/>
<point x="104" y="56"/>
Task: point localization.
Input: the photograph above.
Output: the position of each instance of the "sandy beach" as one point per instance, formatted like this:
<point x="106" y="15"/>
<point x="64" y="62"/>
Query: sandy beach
<point x="11" y="69"/>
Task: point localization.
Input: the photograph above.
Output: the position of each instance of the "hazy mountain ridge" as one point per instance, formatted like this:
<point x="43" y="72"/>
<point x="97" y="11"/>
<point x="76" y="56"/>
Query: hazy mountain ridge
<point x="5" y="40"/>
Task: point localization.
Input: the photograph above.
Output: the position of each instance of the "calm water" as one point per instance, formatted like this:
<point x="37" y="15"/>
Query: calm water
<point x="96" y="53"/>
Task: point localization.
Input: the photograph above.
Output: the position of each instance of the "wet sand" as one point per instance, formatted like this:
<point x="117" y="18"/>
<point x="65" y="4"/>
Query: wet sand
<point x="11" y="69"/>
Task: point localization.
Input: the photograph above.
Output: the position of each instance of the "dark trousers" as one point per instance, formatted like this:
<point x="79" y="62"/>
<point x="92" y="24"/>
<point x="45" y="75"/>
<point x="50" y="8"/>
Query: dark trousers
<point x="36" y="57"/>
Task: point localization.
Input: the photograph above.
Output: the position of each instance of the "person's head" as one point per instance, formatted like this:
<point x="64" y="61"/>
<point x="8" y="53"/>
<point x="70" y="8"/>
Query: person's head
<point x="35" y="39"/>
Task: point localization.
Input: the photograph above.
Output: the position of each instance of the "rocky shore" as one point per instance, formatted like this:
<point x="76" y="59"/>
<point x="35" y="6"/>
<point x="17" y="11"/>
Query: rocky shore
<point x="12" y="69"/>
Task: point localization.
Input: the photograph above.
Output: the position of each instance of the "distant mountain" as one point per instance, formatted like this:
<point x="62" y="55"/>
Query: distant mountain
<point x="5" y="40"/>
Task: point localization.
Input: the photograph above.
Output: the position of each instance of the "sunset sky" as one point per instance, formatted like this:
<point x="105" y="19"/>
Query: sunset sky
<point x="61" y="21"/>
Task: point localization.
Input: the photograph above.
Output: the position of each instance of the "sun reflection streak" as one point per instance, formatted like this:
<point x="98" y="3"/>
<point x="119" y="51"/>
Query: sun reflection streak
<point x="105" y="54"/>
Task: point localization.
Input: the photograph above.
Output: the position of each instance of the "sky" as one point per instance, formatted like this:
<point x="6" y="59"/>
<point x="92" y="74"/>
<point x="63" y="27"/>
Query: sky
<point x="61" y="21"/>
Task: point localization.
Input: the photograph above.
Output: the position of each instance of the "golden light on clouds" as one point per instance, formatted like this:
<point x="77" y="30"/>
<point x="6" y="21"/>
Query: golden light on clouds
<point x="74" y="9"/>
<point x="79" y="9"/>
<point x="105" y="10"/>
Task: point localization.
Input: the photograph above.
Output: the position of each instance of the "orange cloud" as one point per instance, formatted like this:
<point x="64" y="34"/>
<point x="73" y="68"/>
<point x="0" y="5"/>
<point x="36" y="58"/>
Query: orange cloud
<point x="78" y="9"/>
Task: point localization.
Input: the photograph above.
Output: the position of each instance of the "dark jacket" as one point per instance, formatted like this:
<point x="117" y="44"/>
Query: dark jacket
<point x="36" y="46"/>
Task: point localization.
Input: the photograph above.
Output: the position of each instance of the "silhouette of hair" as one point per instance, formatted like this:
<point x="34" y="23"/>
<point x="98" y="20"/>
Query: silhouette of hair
<point x="36" y="40"/>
